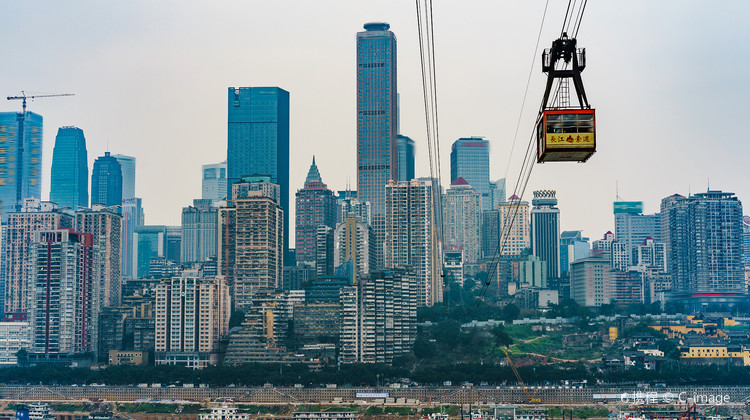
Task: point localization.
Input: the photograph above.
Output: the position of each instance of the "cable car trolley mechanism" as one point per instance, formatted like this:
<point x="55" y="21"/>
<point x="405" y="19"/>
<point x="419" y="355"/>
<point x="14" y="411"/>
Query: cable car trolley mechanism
<point x="565" y="133"/>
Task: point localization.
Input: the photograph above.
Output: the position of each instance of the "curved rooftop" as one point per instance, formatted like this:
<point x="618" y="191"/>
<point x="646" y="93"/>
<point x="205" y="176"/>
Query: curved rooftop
<point x="377" y="26"/>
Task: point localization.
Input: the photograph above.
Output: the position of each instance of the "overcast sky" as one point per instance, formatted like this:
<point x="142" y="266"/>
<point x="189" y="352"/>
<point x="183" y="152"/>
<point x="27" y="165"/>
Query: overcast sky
<point x="668" y="79"/>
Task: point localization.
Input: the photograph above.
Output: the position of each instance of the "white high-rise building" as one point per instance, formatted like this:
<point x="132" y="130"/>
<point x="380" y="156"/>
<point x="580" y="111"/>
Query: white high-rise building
<point x="20" y="228"/>
<point x="632" y="228"/>
<point x="200" y="231"/>
<point x="514" y="226"/>
<point x="653" y="255"/>
<point x="461" y="219"/>
<point x="354" y="241"/>
<point x="63" y="297"/>
<point x="105" y="226"/>
<point x="14" y="337"/>
<point x="251" y="239"/>
<point x="214" y="182"/>
<point x="192" y="315"/>
<point x="591" y="281"/>
<point x="378" y="317"/>
<point x="410" y="237"/>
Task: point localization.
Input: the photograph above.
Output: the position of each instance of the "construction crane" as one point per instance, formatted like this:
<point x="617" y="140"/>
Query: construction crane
<point x="533" y="399"/>
<point x="21" y="120"/>
<point x="24" y="97"/>
<point x="686" y="414"/>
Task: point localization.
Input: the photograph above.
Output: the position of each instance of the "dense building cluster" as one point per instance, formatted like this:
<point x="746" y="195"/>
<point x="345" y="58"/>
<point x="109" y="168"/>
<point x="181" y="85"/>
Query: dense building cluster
<point x="84" y="274"/>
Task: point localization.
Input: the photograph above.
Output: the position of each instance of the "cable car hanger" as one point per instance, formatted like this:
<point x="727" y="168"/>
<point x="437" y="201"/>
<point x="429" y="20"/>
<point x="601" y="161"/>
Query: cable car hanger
<point x="565" y="133"/>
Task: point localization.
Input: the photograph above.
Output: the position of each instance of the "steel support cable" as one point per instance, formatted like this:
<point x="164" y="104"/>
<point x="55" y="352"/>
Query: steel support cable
<point x="524" y="174"/>
<point x="580" y="18"/>
<point x="570" y="21"/>
<point x="526" y="91"/>
<point x="433" y="78"/>
<point x="526" y="163"/>
<point x="576" y="24"/>
<point x="432" y="112"/>
<point x="429" y="96"/>
<point x="529" y="164"/>
<point x="565" y="20"/>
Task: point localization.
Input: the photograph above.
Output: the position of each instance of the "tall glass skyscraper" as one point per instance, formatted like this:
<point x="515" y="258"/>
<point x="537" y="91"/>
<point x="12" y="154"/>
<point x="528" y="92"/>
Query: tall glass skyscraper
<point x="127" y="166"/>
<point x="106" y="181"/>
<point x="20" y="159"/>
<point x="258" y="139"/>
<point x="377" y="121"/>
<point x="470" y="160"/>
<point x="405" y="146"/>
<point x="545" y="231"/>
<point x="132" y="217"/>
<point x="69" y="186"/>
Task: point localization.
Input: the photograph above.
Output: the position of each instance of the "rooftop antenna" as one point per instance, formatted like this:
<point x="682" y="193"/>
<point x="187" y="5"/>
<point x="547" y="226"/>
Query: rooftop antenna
<point x="617" y="190"/>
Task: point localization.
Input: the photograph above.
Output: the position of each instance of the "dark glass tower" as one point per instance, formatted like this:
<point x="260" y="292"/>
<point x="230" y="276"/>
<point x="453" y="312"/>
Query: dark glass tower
<point x="405" y="147"/>
<point x="470" y="160"/>
<point x="20" y="159"/>
<point x="545" y="231"/>
<point x="106" y="181"/>
<point x="69" y="185"/>
<point x="377" y="121"/>
<point x="258" y="139"/>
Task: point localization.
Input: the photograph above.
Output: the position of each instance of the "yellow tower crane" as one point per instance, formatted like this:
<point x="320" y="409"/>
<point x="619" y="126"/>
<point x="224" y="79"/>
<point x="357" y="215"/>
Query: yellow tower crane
<point x="533" y="399"/>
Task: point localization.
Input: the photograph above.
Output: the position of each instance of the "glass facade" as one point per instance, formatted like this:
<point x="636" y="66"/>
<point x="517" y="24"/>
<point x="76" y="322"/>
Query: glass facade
<point x="545" y="231"/>
<point x="405" y="158"/>
<point x="632" y="229"/>
<point x="214" y="184"/>
<point x="127" y="166"/>
<point x="377" y="120"/>
<point x="132" y="217"/>
<point x="470" y="160"/>
<point x="20" y="159"/>
<point x="69" y="186"/>
<point x="258" y="139"/>
<point x="106" y="181"/>
<point x="151" y="242"/>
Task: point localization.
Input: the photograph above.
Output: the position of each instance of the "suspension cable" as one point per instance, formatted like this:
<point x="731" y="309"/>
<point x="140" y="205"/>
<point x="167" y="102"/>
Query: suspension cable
<point x="529" y="158"/>
<point x="425" y="23"/>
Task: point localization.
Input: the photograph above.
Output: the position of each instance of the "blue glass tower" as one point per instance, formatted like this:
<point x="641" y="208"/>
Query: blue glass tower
<point x="377" y="121"/>
<point x="258" y="139"/>
<point x="470" y="160"/>
<point x="20" y="159"/>
<point x="405" y="146"/>
<point x="106" y="181"/>
<point x="127" y="166"/>
<point x="69" y="186"/>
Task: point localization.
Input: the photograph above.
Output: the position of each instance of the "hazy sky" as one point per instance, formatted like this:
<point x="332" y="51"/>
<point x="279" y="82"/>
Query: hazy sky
<point x="668" y="79"/>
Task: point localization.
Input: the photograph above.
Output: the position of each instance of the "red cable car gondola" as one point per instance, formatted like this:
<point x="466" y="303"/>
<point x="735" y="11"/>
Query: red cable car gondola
<point x="564" y="133"/>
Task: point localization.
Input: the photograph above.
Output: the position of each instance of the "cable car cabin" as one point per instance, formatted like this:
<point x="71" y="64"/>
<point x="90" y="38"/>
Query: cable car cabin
<point x="566" y="135"/>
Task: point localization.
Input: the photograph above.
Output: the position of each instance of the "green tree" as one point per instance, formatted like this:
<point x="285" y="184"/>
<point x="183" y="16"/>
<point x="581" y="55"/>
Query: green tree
<point x="511" y="312"/>
<point x="501" y="337"/>
<point x="424" y="348"/>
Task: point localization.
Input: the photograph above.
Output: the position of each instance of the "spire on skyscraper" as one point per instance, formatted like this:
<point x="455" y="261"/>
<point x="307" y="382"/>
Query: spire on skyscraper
<point x="313" y="175"/>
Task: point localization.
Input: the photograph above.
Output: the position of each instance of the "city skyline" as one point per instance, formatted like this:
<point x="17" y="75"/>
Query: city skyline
<point x="112" y="79"/>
